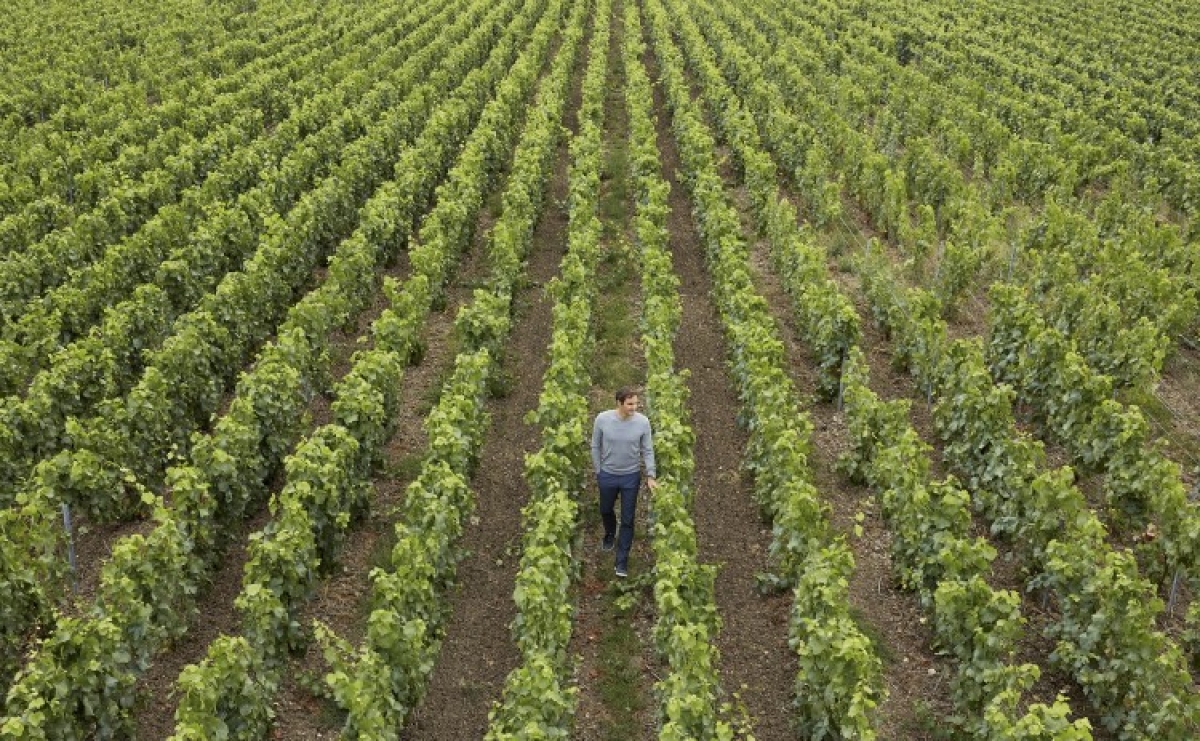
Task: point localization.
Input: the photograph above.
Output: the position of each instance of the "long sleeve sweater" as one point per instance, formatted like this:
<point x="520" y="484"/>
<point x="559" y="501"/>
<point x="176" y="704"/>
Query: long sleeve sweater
<point x="621" y="445"/>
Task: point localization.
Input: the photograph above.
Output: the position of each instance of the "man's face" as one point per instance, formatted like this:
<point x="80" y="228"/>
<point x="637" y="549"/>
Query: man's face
<point x="628" y="407"/>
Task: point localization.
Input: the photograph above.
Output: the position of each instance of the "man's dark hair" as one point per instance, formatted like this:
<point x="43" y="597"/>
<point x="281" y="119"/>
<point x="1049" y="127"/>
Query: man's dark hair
<point x="625" y="392"/>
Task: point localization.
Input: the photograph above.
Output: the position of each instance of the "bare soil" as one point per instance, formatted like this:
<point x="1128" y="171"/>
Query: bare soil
<point x="755" y="661"/>
<point x="478" y="651"/>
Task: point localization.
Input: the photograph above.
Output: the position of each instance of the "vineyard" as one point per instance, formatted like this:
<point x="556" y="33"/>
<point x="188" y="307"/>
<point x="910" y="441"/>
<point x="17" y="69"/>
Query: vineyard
<point x="306" y="309"/>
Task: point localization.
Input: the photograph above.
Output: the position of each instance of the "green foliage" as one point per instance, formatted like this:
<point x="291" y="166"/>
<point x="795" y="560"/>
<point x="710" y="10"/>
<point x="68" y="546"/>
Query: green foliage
<point x="833" y="653"/>
<point x="380" y="681"/>
<point x="935" y="556"/>
<point x="227" y="696"/>
<point x="326" y="474"/>
<point x="1120" y="662"/>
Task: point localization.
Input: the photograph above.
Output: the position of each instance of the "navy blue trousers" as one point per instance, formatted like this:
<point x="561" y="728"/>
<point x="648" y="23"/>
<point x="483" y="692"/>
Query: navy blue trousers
<point x="626" y="487"/>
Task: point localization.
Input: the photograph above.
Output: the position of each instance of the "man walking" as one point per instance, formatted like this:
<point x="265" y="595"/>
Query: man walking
<point x="621" y="442"/>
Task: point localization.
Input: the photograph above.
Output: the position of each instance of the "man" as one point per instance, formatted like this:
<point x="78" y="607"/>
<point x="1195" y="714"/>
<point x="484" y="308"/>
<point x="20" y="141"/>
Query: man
<point x="621" y="442"/>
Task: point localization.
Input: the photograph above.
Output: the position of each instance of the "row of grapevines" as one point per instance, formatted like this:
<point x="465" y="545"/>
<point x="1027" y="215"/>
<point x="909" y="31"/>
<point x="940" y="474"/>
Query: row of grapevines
<point x="1066" y="96"/>
<point x="1135" y="351"/>
<point x="1104" y="294"/>
<point x="32" y="565"/>
<point x="1075" y="403"/>
<point x="820" y="304"/>
<point x="840" y="677"/>
<point x="157" y="158"/>
<point x="1107" y="638"/>
<point x="536" y="701"/>
<point x="379" y="682"/>
<point x="1017" y="165"/>
<point x="326" y="476"/>
<point x="50" y="156"/>
<point x="802" y="268"/>
<point x="684" y="589"/>
<point x="1118" y="310"/>
<point x="99" y="54"/>
<point x="905" y="122"/>
<point x="1130" y="290"/>
<point x="1097" y="308"/>
<point x="935" y="556"/>
<point x="109" y="359"/>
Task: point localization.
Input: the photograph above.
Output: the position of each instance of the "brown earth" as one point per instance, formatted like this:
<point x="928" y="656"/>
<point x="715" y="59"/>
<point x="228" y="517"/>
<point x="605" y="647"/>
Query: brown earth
<point x="755" y="662"/>
<point x="478" y="651"/>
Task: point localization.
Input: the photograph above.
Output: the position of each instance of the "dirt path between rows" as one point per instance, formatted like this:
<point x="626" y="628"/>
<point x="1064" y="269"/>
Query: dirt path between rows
<point x="478" y="651"/>
<point x="755" y="659"/>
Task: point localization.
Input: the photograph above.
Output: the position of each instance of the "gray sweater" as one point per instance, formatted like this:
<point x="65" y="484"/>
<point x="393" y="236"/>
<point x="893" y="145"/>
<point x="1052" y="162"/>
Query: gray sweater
<point x="619" y="446"/>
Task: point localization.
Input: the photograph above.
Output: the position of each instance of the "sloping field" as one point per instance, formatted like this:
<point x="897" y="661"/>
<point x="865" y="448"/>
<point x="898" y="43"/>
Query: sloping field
<point x="306" y="310"/>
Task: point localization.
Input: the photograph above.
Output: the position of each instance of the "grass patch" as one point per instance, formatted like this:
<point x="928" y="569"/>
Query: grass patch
<point x="432" y="395"/>
<point x="330" y="715"/>
<point x="495" y="203"/>
<point x="614" y="205"/>
<point x="619" y="684"/>
<point x="925" y="725"/>
<point x="381" y="558"/>
<point x="885" y="652"/>
<point x="1184" y="443"/>
<point x="616" y="326"/>
<point x="501" y="383"/>
<point x="405" y="469"/>
<point x="620" y="658"/>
